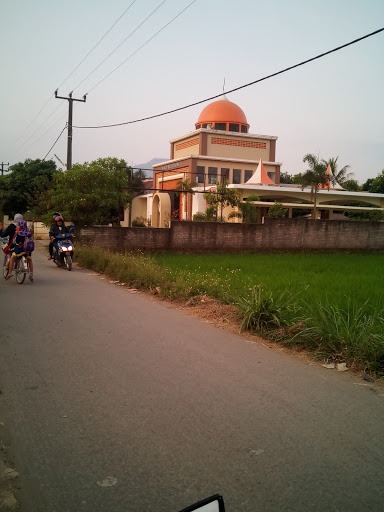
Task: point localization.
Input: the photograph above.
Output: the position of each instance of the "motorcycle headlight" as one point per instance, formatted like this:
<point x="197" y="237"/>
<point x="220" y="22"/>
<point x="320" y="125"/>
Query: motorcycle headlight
<point x="70" y="248"/>
<point x="64" y="248"/>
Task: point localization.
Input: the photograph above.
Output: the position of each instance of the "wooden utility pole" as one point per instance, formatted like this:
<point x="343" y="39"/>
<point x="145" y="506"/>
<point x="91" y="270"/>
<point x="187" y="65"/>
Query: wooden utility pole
<point x="70" y="110"/>
<point x="2" y="167"/>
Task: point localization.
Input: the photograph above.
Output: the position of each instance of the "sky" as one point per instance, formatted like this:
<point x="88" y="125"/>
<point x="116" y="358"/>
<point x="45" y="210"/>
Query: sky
<point x="331" y="107"/>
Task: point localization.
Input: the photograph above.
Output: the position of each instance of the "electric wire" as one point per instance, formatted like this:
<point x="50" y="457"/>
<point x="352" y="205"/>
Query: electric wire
<point x="117" y="47"/>
<point x="236" y="88"/>
<point x="49" y="128"/>
<point x="54" y="144"/>
<point x="36" y="116"/>
<point x="97" y="44"/>
<point x="142" y="46"/>
<point x="93" y="48"/>
<point x="41" y="124"/>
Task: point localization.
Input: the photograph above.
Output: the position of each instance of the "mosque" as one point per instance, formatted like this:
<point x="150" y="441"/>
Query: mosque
<point x="222" y="148"/>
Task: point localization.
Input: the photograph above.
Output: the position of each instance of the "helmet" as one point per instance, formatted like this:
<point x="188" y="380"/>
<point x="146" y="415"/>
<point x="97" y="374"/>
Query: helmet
<point x="58" y="218"/>
<point x="56" y="214"/>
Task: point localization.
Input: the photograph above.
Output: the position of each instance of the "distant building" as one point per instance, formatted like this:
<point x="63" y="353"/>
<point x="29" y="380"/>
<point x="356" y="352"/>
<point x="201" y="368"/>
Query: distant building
<point x="221" y="148"/>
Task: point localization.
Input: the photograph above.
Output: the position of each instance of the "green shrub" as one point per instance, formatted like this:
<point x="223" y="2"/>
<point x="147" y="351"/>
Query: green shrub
<point x="353" y="332"/>
<point x="263" y="312"/>
<point x="277" y="211"/>
<point x="199" y="217"/>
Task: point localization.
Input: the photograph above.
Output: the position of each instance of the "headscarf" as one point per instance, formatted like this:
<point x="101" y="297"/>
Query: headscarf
<point x="17" y="218"/>
<point x="23" y="229"/>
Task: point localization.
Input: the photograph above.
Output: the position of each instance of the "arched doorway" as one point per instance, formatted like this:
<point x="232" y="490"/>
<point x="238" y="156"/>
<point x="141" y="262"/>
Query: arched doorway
<point x="161" y="210"/>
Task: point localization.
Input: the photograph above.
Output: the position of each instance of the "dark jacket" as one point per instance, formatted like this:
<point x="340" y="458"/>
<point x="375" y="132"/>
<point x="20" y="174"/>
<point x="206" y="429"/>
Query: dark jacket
<point x="10" y="231"/>
<point x="56" y="230"/>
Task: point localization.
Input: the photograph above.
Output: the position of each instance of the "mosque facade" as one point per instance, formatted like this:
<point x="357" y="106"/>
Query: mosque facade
<point x="222" y="148"/>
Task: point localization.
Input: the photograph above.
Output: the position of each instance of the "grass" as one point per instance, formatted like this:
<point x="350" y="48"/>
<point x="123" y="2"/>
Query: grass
<point x="335" y="278"/>
<point x="331" y="304"/>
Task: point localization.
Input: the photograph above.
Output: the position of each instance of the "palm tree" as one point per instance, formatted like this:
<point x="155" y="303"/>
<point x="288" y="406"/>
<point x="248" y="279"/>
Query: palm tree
<point x="314" y="177"/>
<point x="337" y="176"/>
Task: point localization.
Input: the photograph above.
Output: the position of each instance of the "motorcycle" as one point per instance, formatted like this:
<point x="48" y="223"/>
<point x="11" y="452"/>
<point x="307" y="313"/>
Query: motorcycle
<point x="212" y="504"/>
<point x="63" y="250"/>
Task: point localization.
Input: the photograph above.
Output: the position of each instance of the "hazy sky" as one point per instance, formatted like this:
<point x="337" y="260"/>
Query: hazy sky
<point x="330" y="107"/>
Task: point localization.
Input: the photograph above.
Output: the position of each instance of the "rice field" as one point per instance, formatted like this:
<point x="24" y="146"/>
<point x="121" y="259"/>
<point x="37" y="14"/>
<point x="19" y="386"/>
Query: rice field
<point x="336" y="278"/>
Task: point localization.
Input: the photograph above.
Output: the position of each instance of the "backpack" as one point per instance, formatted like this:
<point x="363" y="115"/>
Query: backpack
<point x="29" y="245"/>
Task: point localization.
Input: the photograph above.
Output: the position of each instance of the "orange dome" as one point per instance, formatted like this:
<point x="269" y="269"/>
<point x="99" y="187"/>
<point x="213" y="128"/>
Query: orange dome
<point x="222" y="111"/>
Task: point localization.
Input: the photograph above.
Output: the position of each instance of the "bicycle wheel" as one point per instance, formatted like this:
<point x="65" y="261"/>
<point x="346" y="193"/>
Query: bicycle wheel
<point x="20" y="271"/>
<point x="68" y="262"/>
<point x="5" y="266"/>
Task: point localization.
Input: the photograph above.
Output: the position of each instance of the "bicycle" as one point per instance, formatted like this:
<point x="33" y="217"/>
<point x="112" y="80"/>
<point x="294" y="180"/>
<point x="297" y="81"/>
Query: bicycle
<point x="20" y="267"/>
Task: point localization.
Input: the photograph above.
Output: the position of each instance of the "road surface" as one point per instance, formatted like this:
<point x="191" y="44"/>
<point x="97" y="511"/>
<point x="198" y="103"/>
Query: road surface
<point x="116" y="402"/>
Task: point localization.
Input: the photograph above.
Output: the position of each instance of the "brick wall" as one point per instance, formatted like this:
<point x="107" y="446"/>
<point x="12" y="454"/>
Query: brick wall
<point x="274" y="235"/>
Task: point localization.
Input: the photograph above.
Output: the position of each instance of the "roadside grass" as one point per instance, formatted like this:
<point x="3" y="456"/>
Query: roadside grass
<point x="329" y="304"/>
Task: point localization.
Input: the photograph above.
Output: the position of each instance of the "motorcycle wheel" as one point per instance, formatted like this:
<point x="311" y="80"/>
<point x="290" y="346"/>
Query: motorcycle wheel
<point x="68" y="262"/>
<point x="20" y="272"/>
<point x="5" y="266"/>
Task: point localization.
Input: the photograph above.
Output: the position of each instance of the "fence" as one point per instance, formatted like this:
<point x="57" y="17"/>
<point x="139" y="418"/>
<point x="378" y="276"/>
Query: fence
<point x="274" y="235"/>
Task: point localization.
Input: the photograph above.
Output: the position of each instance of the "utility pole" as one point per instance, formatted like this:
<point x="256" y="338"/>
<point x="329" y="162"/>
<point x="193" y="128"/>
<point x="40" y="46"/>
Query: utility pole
<point x="2" y="167"/>
<point x="70" y="110"/>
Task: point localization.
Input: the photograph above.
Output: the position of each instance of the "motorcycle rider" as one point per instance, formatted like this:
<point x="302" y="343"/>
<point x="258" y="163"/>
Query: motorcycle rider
<point x="58" y="228"/>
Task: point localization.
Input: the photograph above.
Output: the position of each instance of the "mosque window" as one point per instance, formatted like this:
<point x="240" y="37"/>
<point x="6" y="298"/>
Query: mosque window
<point x="200" y="171"/>
<point x="205" y="125"/>
<point x="212" y="175"/>
<point x="233" y="127"/>
<point x="247" y="175"/>
<point x="244" y="129"/>
<point x="224" y="174"/>
<point x="220" y="126"/>
<point x="236" y="176"/>
<point x="272" y="176"/>
<point x="198" y="126"/>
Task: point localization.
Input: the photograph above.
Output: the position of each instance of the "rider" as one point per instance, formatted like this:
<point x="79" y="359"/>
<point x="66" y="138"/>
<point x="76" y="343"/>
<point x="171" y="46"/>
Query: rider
<point x="22" y="232"/>
<point x="10" y="232"/>
<point x="58" y="228"/>
<point x="11" y="229"/>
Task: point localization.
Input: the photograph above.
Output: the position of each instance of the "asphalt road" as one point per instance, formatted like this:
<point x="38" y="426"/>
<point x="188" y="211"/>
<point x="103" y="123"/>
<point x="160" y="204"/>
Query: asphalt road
<point x="99" y="382"/>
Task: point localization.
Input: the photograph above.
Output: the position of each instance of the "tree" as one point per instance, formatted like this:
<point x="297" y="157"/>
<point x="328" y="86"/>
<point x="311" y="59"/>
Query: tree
<point x="366" y="187"/>
<point x="277" y="211"/>
<point x="286" y="178"/>
<point x="222" y="198"/>
<point x="314" y="177"/>
<point x="91" y="193"/>
<point x="377" y="185"/>
<point x="352" y="185"/>
<point x="27" y="181"/>
<point x="247" y="211"/>
<point x="338" y="176"/>
<point x="296" y="178"/>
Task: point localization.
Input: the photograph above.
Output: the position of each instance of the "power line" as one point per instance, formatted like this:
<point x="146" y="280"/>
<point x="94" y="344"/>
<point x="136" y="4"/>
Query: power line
<point x="61" y="133"/>
<point x="40" y="125"/>
<point x="97" y="44"/>
<point x="55" y="122"/>
<point x="36" y="116"/>
<point x="50" y="97"/>
<point x="142" y="46"/>
<point x="236" y="88"/>
<point x="117" y="47"/>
